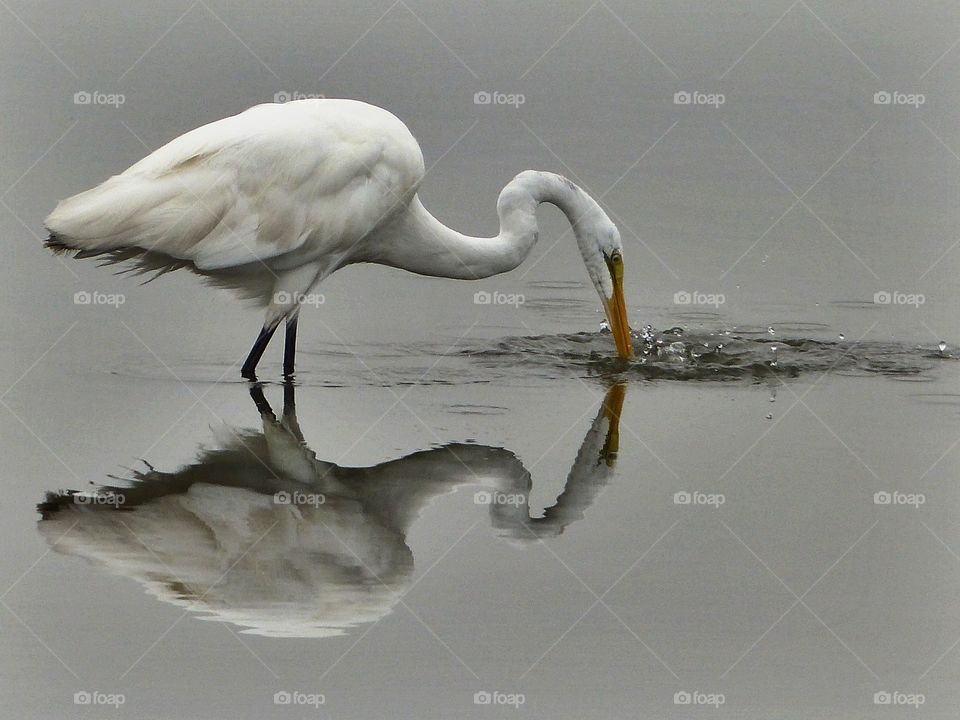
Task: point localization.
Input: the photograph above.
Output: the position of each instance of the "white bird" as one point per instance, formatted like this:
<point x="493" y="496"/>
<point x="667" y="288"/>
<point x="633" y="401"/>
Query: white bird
<point x="271" y="201"/>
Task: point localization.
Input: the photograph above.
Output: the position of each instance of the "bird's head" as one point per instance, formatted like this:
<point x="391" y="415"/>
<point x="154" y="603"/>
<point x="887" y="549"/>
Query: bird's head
<point x="602" y="251"/>
<point x="597" y="237"/>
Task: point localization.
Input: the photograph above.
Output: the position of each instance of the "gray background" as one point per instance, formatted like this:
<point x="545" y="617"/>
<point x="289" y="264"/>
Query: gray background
<point x="798" y="199"/>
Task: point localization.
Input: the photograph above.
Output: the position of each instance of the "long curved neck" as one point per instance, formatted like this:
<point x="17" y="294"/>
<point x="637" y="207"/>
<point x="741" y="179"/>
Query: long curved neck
<point x="418" y="242"/>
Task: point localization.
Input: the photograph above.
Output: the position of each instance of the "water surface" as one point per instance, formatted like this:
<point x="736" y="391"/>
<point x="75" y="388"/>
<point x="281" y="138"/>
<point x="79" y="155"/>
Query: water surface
<point x="763" y="506"/>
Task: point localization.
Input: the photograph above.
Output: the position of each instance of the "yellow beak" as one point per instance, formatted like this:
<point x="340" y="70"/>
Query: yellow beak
<point x="612" y="407"/>
<point x="616" y="309"/>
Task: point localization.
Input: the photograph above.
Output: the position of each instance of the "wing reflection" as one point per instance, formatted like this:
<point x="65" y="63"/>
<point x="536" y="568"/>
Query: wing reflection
<point x="260" y="533"/>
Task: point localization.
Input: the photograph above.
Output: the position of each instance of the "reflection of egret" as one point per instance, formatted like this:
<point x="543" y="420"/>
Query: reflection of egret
<point x="273" y="200"/>
<point x="260" y="533"/>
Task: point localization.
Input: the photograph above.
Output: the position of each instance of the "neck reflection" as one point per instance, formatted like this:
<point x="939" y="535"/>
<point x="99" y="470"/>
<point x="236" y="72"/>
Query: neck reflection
<point x="259" y="532"/>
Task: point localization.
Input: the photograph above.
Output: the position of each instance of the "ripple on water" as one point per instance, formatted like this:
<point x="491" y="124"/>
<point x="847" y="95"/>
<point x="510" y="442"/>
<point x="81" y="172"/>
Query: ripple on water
<point x="557" y="284"/>
<point x="673" y="354"/>
<point x="468" y="409"/>
<point x="751" y="352"/>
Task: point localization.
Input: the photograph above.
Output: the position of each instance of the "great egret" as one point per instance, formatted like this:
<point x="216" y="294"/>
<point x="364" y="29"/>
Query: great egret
<point x="269" y="202"/>
<point x="299" y="566"/>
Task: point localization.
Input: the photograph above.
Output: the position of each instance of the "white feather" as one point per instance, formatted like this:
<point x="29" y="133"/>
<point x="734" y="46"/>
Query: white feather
<point x="275" y="182"/>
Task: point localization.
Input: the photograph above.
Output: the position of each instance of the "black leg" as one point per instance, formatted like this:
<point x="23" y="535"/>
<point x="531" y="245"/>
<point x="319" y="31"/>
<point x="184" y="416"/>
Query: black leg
<point x="290" y="408"/>
<point x="290" y="346"/>
<point x="256" y="352"/>
<point x="256" y="392"/>
<point x="289" y="398"/>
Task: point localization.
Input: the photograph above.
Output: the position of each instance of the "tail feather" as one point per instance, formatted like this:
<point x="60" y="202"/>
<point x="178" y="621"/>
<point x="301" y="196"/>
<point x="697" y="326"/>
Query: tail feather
<point x="169" y="214"/>
<point x="249" y="283"/>
<point x="58" y="245"/>
<point x="157" y="225"/>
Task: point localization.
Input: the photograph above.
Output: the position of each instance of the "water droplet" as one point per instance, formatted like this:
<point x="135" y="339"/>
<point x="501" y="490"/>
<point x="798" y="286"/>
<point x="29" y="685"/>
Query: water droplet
<point x="771" y="330"/>
<point x="604" y="326"/>
<point x="773" y="349"/>
<point x="769" y="416"/>
<point x="841" y="337"/>
<point x="942" y="347"/>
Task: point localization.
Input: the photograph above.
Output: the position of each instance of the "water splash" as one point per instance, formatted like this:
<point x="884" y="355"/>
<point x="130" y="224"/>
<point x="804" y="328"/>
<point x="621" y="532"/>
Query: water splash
<point x="676" y="354"/>
<point x="673" y="354"/>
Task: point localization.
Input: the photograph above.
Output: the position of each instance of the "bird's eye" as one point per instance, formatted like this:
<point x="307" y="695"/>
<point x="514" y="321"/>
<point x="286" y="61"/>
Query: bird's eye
<point x="615" y="264"/>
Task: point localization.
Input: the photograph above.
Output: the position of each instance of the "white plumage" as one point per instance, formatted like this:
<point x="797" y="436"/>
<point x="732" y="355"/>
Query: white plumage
<point x="271" y="201"/>
<point x="289" y="182"/>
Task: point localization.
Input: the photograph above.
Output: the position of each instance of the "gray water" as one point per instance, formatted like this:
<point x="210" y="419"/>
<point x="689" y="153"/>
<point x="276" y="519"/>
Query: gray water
<point x="504" y="503"/>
